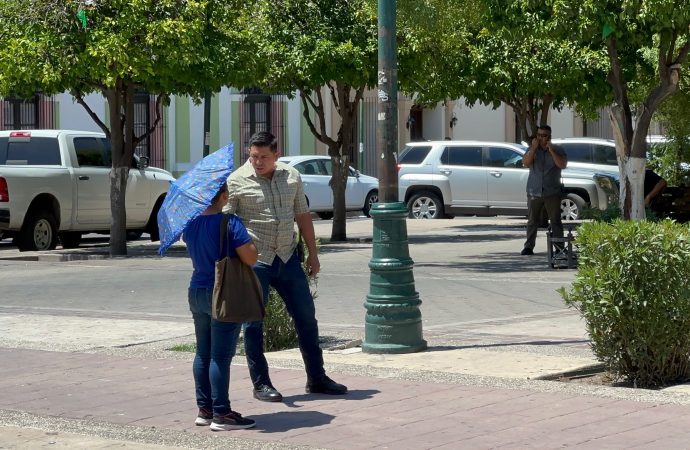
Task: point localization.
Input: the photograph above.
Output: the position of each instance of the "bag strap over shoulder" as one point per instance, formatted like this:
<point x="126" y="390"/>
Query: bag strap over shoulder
<point x="223" y="233"/>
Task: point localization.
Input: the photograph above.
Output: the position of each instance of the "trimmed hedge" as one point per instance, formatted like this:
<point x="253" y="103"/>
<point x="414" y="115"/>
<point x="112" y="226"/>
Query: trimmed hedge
<point x="633" y="290"/>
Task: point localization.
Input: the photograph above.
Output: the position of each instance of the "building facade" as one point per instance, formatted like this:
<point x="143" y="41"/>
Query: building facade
<point x="178" y="140"/>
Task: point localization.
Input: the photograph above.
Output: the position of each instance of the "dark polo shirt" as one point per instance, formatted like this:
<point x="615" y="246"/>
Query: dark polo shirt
<point x="544" y="175"/>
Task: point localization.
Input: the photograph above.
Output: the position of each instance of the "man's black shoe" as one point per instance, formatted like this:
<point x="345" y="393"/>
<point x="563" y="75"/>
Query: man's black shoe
<point x="325" y="385"/>
<point x="527" y="251"/>
<point x="267" y="393"/>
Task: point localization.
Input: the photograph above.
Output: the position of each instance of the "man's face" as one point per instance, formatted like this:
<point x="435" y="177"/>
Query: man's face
<point x="263" y="160"/>
<point x="544" y="137"/>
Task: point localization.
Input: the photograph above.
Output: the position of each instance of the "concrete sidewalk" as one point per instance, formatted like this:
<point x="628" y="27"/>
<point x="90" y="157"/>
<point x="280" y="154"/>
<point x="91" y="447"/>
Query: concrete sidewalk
<point x="111" y="383"/>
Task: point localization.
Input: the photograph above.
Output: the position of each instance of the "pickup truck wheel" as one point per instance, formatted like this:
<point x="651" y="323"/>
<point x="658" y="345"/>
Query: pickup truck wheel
<point x="152" y="225"/>
<point x="38" y="233"/>
<point x="425" y="205"/>
<point x="571" y="207"/>
<point x="70" y="239"/>
<point x="134" y="235"/>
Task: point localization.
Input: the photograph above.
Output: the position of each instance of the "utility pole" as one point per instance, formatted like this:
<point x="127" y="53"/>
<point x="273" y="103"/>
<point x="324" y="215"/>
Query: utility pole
<point x="393" y="322"/>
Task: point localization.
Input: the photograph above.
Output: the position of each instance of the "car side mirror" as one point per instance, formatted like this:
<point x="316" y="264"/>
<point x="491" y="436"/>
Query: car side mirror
<point x="357" y="174"/>
<point x="143" y="162"/>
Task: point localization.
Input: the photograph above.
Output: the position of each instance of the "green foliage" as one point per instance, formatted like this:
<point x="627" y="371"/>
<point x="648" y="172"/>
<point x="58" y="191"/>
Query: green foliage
<point x="186" y="348"/>
<point x="631" y="288"/>
<point x="613" y="212"/>
<point x="279" y="330"/>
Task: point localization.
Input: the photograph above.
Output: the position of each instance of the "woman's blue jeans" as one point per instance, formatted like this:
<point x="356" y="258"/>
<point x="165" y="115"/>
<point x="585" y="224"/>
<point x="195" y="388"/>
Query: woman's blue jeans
<point x="215" y="346"/>
<point x="289" y="280"/>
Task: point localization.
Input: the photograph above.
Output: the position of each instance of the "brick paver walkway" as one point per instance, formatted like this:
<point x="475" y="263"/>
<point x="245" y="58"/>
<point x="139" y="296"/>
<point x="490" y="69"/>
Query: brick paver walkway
<point x="377" y="413"/>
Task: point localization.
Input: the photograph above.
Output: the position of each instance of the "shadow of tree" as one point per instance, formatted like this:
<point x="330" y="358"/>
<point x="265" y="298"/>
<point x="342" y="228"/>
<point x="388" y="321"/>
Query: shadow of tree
<point x="503" y="262"/>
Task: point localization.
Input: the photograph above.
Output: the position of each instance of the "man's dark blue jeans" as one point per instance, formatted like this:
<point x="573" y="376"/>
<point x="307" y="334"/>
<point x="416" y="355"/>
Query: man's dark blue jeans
<point x="290" y="281"/>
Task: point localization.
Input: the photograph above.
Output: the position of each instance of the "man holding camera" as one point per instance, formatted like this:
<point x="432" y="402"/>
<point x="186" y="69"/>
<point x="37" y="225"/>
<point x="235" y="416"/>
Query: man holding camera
<point x="545" y="162"/>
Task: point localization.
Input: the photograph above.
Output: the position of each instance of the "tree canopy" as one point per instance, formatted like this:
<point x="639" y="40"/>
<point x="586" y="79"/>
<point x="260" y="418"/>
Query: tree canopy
<point x="118" y="47"/>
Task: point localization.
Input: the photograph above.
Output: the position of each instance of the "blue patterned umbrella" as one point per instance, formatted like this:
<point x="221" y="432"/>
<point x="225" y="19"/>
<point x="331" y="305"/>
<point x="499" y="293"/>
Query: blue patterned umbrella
<point x="192" y="193"/>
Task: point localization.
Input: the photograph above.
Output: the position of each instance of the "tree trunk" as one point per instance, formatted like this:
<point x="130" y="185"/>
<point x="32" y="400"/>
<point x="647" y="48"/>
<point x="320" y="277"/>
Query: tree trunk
<point x="338" y="185"/>
<point x="631" y="144"/>
<point x="121" y="108"/>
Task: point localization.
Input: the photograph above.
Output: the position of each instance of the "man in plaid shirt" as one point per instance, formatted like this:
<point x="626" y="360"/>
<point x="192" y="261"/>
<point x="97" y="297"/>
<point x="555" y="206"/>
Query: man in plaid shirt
<point x="269" y="197"/>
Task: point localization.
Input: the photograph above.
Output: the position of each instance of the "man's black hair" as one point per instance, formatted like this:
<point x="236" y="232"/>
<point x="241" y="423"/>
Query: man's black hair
<point x="263" y="139"/>
<point x="545" y="127"/>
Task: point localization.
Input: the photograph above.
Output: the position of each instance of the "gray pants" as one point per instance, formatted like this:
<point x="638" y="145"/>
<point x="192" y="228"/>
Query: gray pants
<point x="552" y="203"/>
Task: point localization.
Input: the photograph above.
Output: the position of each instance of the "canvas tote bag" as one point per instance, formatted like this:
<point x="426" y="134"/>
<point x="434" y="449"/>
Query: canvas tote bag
<point x="237" y="294"/>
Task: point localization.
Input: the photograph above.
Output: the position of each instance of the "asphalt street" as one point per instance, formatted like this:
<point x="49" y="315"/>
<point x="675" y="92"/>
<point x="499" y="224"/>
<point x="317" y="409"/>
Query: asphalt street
<point x="466" y="270"/>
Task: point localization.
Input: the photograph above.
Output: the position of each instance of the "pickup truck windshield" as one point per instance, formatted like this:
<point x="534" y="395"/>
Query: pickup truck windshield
<point x="38" y="151"/>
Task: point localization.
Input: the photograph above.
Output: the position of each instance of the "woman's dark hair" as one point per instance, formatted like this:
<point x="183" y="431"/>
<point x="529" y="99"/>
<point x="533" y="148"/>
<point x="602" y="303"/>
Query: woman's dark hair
<point x="263" y="139"/>
<point x="223" y="189"/>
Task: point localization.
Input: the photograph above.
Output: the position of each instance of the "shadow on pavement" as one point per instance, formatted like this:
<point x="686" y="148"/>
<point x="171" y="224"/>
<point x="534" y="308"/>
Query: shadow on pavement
<point x="281" y="422"/>
<point x="460" y="238"/>
<point x="359" y="394"/>
<point x="444" y="348"/>
<point x="496" y="263"/>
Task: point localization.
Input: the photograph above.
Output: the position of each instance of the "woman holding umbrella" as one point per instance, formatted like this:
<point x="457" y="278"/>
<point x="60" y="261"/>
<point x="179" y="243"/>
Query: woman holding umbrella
<point x="215" y="341"/>
<point x="193" y="207"/>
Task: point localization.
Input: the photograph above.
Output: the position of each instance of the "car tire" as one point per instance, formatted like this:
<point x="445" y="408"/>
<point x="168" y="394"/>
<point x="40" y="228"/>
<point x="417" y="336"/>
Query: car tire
<point x="38" y="233"/>
<point x="372" y="197"/>
<point x="70" y="239"/>
<point x="571" y="207"/>
<point x="425" y="205"/>
<point x="325" y="215"/>
<point x="134" y="235"/>
<point x="152" y="224"/>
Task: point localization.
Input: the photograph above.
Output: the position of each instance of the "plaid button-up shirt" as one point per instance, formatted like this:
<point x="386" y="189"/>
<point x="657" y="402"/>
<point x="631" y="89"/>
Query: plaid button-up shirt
<point x="268" y="208"/>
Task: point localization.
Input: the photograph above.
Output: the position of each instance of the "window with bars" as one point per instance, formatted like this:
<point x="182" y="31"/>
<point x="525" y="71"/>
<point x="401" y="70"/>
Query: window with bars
<point x="261" y="112"/>
<point x="26" y="114"/>
<point x="152" y="146"/>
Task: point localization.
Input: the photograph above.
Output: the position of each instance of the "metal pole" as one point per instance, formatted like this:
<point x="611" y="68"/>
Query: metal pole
<point x="393" y="322"/>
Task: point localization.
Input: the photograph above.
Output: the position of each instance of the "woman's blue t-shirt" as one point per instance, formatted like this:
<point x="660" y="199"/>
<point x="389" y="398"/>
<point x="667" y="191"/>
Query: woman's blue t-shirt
<point x="203" y="243"/>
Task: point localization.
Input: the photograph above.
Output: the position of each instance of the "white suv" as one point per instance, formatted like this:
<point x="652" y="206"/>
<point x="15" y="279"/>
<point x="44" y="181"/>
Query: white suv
<point x="440" y="179"/>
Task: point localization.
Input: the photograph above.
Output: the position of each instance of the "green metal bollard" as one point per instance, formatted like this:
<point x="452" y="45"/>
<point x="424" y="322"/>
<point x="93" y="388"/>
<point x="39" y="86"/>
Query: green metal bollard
<point x="393" y="322"/>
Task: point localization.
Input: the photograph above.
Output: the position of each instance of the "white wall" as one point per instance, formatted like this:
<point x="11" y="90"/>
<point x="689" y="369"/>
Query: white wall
<point x="433" y="123"/>
<point x="562" y="123"/>
<point x="479" y="123"/>
<point x="73" y="116"/>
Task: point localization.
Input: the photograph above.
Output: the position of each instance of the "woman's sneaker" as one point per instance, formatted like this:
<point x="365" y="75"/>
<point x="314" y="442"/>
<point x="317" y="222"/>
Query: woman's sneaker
<point x="231" y="421"/>
<point x="203" y="419"/>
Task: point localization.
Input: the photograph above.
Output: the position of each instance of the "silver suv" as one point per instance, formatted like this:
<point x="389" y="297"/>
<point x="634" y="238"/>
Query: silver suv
<point x="593" y="154"/>
<point x="440" y="179"/>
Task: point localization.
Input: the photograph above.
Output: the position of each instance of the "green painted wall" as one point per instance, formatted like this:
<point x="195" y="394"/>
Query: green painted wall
<point x="182" y="150"/>
<point x="215" y="123"/>
<point x="235" y="130"/>
<point x="306" y="137"/>
<point x="56" y="115"/>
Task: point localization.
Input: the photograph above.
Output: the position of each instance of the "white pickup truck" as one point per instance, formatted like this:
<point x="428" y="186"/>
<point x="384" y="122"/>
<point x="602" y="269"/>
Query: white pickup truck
<point x="54" y="184"/>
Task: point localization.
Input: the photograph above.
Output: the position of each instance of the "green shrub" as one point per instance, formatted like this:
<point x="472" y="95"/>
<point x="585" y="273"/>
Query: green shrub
<point x="632" y="290"/>
<point x="279" y="331"/>
<point x="613" y="212"/>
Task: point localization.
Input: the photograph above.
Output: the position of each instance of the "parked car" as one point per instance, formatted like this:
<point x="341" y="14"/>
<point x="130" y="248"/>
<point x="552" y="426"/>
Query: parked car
<point x="592" y="154"/>
<point x="443" y="178"/>
<point x="55" y="184"/>
<point x="361" y="192"/>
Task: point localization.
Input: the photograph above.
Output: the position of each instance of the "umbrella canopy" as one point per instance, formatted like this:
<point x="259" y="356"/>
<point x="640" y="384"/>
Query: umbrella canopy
<point x="192" y="193"/>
